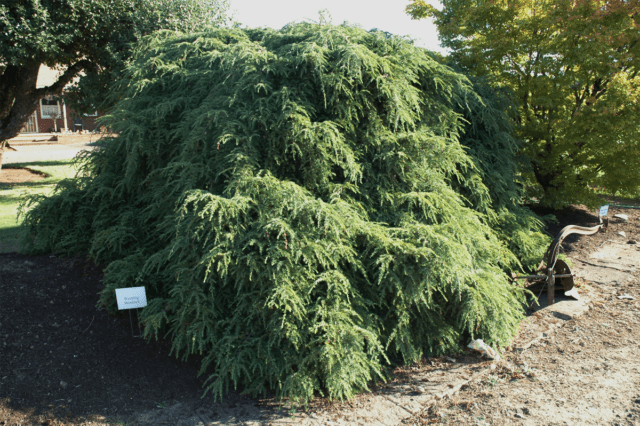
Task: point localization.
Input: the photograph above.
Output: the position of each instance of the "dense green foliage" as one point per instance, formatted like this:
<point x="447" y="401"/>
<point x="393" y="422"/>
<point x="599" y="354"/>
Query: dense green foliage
<point x="572" y="67"/>
<point x="300" y="207"/>
<point x="140" y="18"/>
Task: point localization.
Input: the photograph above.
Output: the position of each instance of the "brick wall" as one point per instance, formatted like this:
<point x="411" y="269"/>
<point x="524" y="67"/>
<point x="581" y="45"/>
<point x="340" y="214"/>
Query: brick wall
<point x="45" y="125"/>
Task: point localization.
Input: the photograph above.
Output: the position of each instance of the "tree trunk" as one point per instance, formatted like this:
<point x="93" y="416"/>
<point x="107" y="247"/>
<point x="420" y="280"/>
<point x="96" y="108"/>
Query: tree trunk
<point x="543" y="177"/>
<point x="20" y="96"/>
<point x="545" y="172"/>
<point x="22" y="100"/>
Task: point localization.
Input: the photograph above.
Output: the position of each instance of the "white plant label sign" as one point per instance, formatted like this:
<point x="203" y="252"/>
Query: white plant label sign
<point x="130" y="298"/>
<point x="604" y="210"/>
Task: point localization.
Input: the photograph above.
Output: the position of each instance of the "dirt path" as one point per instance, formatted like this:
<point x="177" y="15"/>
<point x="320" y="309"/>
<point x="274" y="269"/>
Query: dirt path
<point x="585" y="373"/>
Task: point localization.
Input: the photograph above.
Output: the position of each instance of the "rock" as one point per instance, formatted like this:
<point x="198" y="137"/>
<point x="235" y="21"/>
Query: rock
<point x="632" y="242"/>
<point x="622" y="234"/>
<point x="487" y="350"/>
<point x="562" y="316"/>
<point x="520" y="416"/>
<point x="626" y="296"/>
<point x="63" y="384"/>
<point x="624" y="217"/>
<point x="572" y="293"/>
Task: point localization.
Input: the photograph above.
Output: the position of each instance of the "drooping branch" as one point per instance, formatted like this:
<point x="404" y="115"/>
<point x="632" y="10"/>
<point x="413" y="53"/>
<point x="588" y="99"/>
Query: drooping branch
<point x="69" y="74"/>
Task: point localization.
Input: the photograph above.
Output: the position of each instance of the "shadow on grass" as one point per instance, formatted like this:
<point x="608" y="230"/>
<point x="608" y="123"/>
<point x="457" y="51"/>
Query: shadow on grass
<point x="633" y="202"/>
<point x="15" y="198"/>
<point x="34" y="184"/>
<point x="64" y="162"/>
<point x="10" y="239"/>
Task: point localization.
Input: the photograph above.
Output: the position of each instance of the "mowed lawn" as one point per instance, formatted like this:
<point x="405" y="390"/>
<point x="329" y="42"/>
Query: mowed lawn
<point x="11" y="194"/>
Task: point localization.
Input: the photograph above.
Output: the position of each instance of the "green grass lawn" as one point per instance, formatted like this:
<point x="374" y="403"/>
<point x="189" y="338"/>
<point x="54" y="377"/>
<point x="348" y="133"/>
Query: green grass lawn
<point x="11" y="194"/>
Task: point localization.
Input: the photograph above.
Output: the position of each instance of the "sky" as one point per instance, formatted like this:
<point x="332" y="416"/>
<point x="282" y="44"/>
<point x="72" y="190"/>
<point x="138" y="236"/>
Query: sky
<point x="384" y="15"/>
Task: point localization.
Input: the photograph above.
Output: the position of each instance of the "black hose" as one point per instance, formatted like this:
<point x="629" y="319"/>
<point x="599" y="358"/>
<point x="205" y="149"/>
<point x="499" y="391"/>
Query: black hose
<point x="624" y="207"/>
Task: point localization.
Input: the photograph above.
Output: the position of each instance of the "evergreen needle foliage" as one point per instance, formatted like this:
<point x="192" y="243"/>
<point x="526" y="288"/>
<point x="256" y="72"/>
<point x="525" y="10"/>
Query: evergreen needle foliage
<point x="301" y="206"/>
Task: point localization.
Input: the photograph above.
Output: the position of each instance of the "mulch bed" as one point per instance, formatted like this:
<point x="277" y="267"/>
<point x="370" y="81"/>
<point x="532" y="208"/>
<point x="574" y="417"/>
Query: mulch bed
<point x="74" y="138"/>
<point x="64" y="361"/>
<point x="19" y="175"/>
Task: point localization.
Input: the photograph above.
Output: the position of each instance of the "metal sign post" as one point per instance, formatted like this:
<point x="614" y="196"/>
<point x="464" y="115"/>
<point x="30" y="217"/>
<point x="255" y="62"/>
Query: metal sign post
<point x="132" y="298"/>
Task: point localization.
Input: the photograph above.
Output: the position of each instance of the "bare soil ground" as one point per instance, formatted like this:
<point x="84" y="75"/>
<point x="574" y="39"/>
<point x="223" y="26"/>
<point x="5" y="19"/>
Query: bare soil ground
<point x="58" y="138"/>
<point x="585" y="373"/>
<point x="63" y="361"/>
<point x="19" y="175"/>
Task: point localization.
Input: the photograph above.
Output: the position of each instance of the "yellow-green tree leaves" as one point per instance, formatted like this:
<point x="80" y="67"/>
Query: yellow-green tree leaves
<point x="572" y="67"/>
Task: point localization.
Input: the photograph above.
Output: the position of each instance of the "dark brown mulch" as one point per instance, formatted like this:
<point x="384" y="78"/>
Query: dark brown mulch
<point x="64" y="361"/>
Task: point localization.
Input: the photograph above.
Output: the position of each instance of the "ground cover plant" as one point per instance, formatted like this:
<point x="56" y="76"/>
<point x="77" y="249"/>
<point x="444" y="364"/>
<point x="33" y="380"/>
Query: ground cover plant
<point x="303" y="206"/>
<point x="13" y="193"/>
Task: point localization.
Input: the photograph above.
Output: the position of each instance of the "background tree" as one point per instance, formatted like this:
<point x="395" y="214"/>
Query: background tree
<point x="573" y="69"/>
<point x="80" y="35"/>
<point x="304" y="206"/>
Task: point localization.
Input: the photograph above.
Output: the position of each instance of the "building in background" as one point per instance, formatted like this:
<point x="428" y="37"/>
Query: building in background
<point x="54" y="115"/>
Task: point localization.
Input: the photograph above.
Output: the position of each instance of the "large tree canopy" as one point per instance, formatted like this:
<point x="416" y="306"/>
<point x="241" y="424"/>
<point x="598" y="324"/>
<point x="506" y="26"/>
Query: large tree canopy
<point x="573" y="69"/>
<point x="79" y="35"/>
<point x="302" y="205"/>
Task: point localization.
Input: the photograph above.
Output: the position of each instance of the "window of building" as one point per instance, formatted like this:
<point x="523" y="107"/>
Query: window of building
<point x="50" y="108"/>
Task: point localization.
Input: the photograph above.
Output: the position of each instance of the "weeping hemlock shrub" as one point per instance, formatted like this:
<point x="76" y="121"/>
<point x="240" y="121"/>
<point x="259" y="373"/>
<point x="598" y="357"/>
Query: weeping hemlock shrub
<point x="304" y="206"/>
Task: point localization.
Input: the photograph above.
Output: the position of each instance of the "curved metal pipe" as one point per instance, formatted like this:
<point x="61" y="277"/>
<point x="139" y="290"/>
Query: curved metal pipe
<point x="548" y="263"/>
<point x="551" y="256"/>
